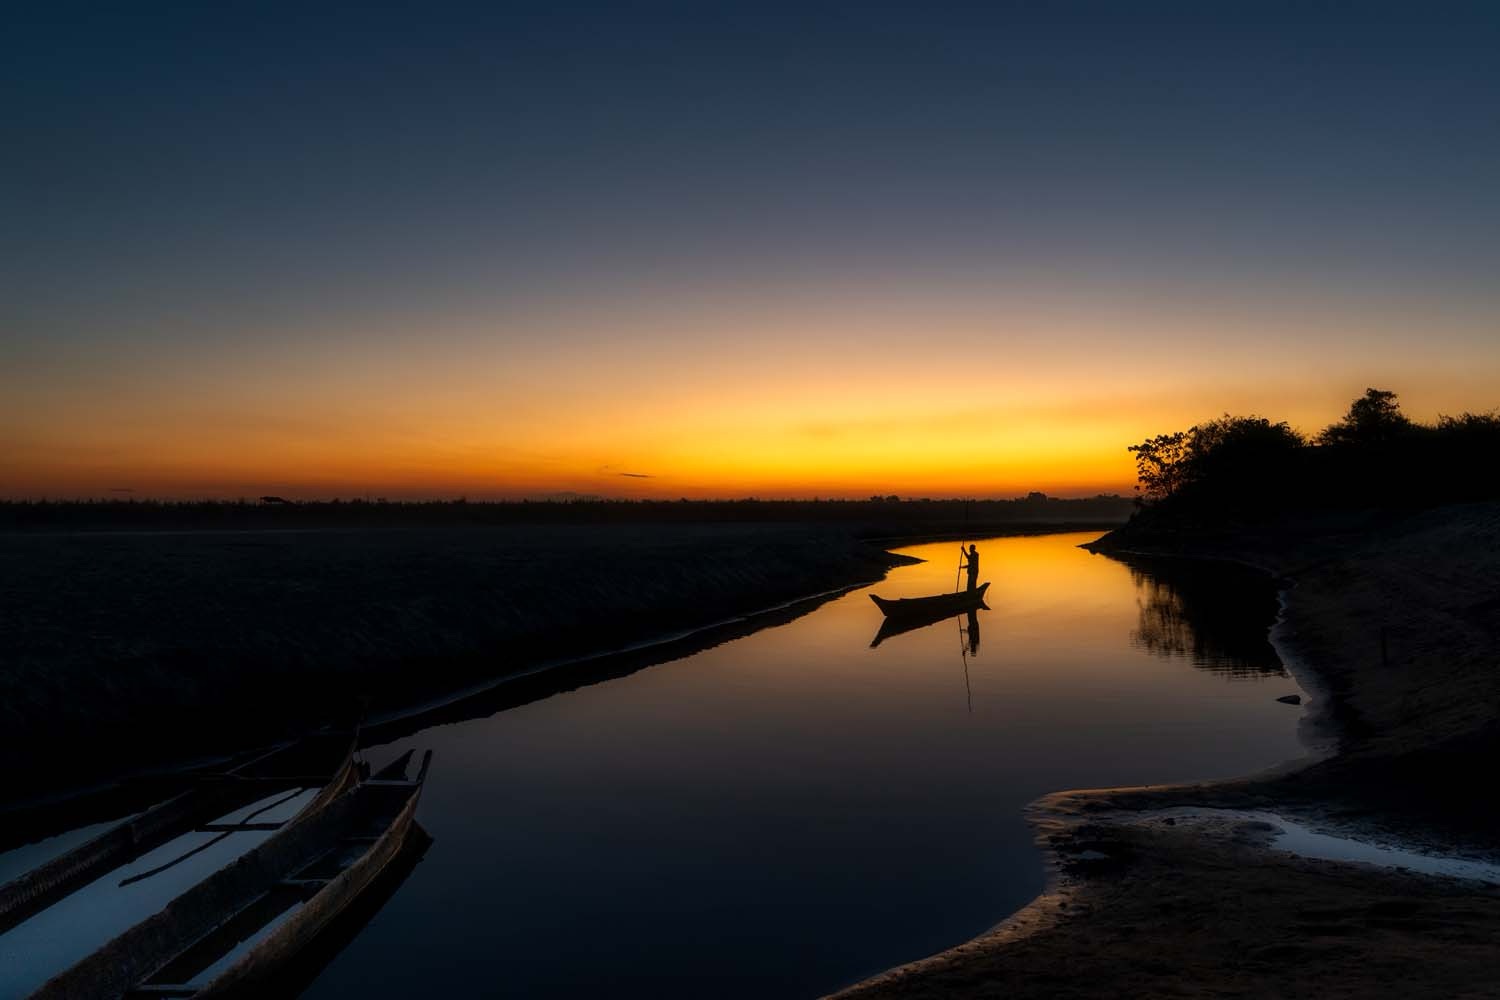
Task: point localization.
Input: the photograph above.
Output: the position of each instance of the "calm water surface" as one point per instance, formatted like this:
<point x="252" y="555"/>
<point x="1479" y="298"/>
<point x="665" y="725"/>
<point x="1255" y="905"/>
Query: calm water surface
<point x="785" y="813"/>
<point x="789" y="812"/>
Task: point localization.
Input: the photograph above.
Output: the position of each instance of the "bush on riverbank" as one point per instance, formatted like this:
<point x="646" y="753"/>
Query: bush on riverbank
<point x="1249" y="468"/>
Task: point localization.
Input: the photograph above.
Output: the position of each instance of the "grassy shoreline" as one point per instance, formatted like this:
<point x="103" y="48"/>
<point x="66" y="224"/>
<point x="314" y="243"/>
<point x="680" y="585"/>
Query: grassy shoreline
<point x="1140" y="907"/>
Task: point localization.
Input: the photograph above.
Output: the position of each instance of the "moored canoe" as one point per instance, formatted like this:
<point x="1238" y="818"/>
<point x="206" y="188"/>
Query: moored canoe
<point x="289" y="766"/>
<point x="313" y="870"/>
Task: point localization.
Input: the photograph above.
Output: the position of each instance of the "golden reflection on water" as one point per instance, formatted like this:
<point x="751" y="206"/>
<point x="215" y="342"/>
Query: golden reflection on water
<point x="802" y="808"/>
<point x="1016" y="567"/>
<point x="1212" y="616"/>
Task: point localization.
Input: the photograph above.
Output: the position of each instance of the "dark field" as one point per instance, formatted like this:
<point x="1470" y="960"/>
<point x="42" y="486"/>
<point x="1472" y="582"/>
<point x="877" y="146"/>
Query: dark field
<point x="136" y="635"/>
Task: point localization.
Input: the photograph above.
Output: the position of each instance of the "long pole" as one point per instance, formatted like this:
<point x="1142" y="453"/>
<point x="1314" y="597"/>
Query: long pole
<point x="960" y="572"/>
<point x="963" y="651"/>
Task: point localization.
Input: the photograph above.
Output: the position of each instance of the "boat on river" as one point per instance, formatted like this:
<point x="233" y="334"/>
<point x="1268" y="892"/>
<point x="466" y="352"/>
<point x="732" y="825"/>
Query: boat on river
<point x="237" y="931"/>
<point x="934" y="607"/>
<point x="325" y="760"/>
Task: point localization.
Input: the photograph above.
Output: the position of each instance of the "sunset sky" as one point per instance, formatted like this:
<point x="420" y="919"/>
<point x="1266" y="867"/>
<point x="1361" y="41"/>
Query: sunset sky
<point x="727" y="250"/>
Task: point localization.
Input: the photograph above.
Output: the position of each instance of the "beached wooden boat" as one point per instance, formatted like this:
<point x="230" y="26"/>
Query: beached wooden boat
<point x="292" y="766"/>
<point x="305" y="876"/>
<point x="933" y="607"/>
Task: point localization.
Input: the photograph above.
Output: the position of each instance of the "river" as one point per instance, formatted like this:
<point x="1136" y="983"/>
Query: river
<point x="788" y="812"/>
<point x="780" y="814"/>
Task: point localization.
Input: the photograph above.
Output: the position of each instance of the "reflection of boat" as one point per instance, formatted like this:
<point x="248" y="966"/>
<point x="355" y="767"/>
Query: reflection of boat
<point x="899" y="623"/>
<point x="296" y="766"/>
<point x="298" y="882"/>
<point x="932" y="608"/>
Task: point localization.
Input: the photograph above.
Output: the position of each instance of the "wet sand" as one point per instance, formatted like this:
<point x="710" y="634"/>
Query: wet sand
<point x="1393" y="625"/>
<point x="1143" y="909"/>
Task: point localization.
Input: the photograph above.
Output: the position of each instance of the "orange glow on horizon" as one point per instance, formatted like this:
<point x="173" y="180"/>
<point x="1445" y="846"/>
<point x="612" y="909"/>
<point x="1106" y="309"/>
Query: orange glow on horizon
<point x="992" y="401"/>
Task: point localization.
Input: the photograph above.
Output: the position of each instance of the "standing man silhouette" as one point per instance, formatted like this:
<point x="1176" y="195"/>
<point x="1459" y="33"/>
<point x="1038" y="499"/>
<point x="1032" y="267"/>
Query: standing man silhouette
<point x="972" y="565"/>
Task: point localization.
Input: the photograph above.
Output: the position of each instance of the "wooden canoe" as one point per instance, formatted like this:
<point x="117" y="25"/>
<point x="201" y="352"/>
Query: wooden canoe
<point x="289" y="766"/>
<point x="932" y="607"/>
<point x="323" y="863"/>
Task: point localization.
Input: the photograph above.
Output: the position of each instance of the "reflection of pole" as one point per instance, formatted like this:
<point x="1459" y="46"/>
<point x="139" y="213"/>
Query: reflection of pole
<point x="963" y="651"/>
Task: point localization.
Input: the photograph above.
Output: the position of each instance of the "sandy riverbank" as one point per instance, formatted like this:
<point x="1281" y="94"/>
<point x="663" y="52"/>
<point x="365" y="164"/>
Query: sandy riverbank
<point x="1393" y="623"/>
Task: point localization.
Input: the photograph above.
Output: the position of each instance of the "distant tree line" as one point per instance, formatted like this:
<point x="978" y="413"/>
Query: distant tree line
<point x="1374" y="457"/>
<point x="885" y="514"/>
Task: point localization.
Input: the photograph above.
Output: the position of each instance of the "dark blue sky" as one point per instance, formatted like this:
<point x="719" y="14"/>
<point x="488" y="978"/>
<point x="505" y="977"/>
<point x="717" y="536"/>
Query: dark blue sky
<point x="288" y="159"/>
<point x="208" y="176"/>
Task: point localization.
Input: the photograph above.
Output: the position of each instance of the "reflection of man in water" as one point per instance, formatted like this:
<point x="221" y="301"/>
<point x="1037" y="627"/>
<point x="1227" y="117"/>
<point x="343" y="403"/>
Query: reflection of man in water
<point x="973" y="633"/>
<point x="973" y="566"/>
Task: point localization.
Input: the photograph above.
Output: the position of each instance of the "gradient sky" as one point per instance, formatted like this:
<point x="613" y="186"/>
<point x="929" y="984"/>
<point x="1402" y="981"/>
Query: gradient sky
<point x="700" y="249"/>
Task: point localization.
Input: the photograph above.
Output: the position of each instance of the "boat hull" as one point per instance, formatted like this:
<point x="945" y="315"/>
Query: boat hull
<point x="251" y="974"/>
<point x="932" y="607"/>
<point x="213" y="796"/>
<point x="163" y="953"/>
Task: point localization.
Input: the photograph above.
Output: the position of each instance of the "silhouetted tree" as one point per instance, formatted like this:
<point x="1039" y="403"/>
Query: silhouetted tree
<point x="1373" y="419"/>
<point x="1480" y="425"/>
<point x="1160" y="464"/>
<point x="1241" y="451"/>
<point x="1375" y="457"/>
<point x="1245" y="456"/>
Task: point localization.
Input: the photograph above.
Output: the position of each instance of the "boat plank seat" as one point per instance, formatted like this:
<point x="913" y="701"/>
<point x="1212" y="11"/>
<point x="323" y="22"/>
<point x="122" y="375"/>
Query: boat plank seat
<point x="293" y="886"/>
<point x="238" y="827"/>
<point x="304" y="883"/>
<point x="289" y="780"/>
<point x="205" y="799"/>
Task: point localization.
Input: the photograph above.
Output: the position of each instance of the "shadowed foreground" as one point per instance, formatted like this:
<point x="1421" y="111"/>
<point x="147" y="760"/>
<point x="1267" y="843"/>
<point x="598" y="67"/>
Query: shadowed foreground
<point x="129" y="648"/>
<point x="1207" y="911"/>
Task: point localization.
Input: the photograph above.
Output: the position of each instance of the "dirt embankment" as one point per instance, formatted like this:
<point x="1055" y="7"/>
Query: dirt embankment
<point x="120" y="649"/>
<point x="1394" y="624"/>
<point x="1206" y="910"/>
